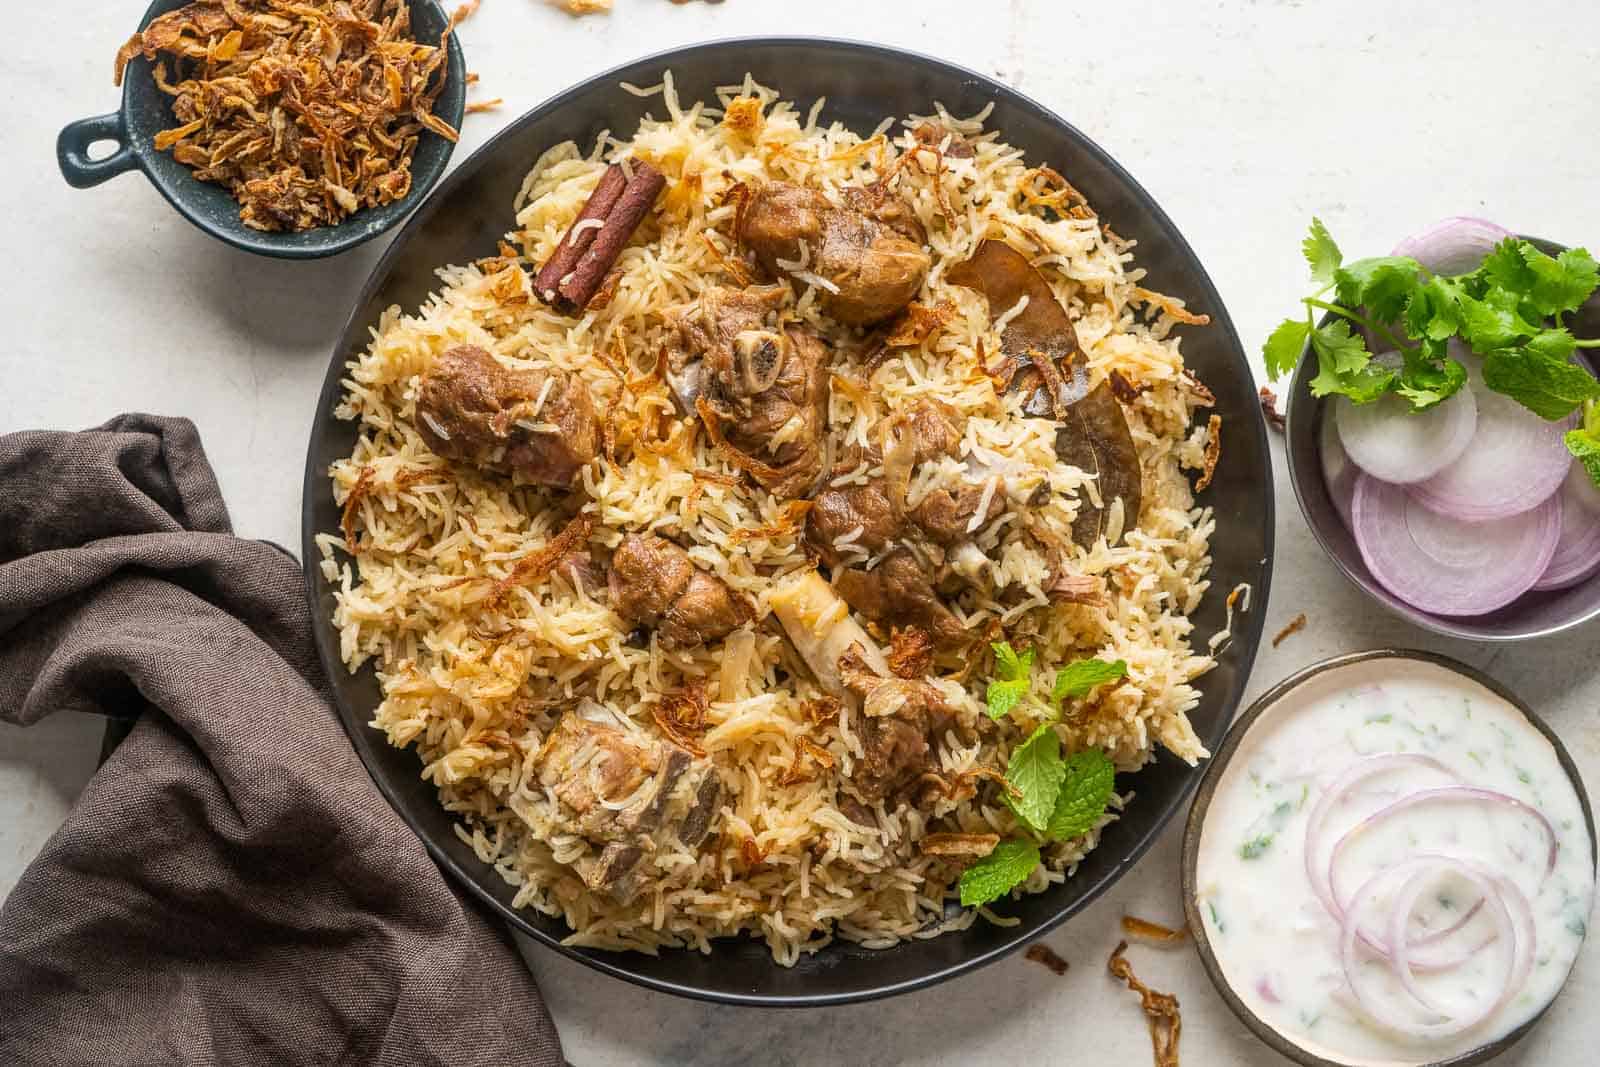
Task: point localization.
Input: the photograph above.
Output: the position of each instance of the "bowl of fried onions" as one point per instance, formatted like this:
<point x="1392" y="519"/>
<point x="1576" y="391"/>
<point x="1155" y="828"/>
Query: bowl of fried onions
<point x="295" y="131"/>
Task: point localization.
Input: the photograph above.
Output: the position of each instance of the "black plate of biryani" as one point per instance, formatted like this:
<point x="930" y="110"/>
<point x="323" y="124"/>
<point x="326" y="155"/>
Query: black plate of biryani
<point x="787" y="520"/>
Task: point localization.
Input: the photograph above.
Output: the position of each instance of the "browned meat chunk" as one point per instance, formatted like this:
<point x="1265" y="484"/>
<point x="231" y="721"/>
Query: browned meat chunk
<point x="900" y="592"/>
<point x="654" y="583"/>
<point x="899" y="748"/>
<point x="537" y="425"/>
<point x="870" y="251"/>
<point x="767" y="386"/>
<point x="837" y="513"/>
<point x="592" y="767"/>
<point x="945" y="513"/>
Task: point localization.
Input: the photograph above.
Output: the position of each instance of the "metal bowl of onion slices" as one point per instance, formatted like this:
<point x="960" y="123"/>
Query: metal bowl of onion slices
<point x="1472" y="520"/>
<point x="1391" y="860"/>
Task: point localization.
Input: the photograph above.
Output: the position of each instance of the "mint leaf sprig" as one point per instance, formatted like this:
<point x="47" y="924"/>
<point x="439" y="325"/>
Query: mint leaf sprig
<point x="1014" y="678"/>
<point x="1511" y="310"/>
<point x="1054" y="799"/>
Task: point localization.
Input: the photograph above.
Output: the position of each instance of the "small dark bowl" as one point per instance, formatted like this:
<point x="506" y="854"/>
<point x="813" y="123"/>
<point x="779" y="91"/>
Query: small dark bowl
<point x="1213" y="778"/>
<point x="146" y="111"/>
<point x="862" y="83"/>
<point x="1534" y="614"/>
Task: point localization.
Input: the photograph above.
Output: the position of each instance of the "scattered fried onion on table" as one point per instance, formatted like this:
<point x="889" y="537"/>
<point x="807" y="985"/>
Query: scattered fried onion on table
<point x="306" y="112"/>
<point x="1160" y="1009"/>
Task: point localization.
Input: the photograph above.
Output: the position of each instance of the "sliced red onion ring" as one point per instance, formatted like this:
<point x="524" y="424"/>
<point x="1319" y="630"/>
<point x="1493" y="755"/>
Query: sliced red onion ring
<point x="1317" y="869"/>
<point x="1391" y="442"/>
<point x="1338" y="472"/>
<point x="1454" y="245"/>
<point x="1494" y="890"/>
<point x="1446" y="566"/>
<point x="1578" y="550"/>
<point x="1446" y="794"/>
<point x="1516" y="461"/>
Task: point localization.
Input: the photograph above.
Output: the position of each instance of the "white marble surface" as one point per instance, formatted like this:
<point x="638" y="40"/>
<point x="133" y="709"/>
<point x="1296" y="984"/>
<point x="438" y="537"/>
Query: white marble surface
<point x="1242" y="117"/>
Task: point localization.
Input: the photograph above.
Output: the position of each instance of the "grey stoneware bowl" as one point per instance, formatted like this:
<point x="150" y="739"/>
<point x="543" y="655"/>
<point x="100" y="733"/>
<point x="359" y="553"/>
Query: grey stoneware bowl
<point x="1532" y="615"/>
<point x="1217" y="766"/>
<point x="146" y="111"/>
<point x="862" y="83"/>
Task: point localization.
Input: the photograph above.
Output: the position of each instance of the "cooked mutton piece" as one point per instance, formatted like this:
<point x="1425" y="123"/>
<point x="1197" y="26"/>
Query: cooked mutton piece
<point x="766" y="385"/>
<point x="900" y="591"/>
<point x="852" y="515"/>
<point x="900" y="747"/>
<point x="536" y="425"/>
<point x="627" y="795"/>
<point x="869" y="252"/>
<point x="654" y="583"/>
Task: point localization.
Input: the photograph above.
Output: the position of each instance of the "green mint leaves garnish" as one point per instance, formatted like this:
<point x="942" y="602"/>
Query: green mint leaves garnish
<point x="998" y="873"/>
<point x="1509" y="310"/>
<point x="1014" y="674"/>
<point x="1036" y="771"/>
<point x="1085" y="792"/>
<point x="1584" y="442"/>
<point x="1078" y="679"/>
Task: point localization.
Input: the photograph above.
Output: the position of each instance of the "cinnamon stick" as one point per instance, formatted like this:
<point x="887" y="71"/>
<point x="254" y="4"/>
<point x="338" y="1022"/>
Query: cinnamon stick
<point x="576" y="241"/>
<point x="583" y="259"/>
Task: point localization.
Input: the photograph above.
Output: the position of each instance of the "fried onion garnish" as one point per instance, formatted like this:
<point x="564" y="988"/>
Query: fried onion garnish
<point x="538" y="564"/>
<point x="306" y="113"/>
<point x="807" y="750"/>
<point x="910" y="652"/>
<point x="1153" y="932"/>
<point x="1213" y="452"/>
<point x="1160" y="1009"/>
<point x="958" y="846"/>
<point x="681" y="716"/>
<point x="1039" y="952"/>
<point x="352" y="504"/>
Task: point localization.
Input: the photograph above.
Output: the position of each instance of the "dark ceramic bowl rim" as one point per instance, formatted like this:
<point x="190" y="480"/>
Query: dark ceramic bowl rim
<point x="1311" y="494"/>
<point x="1248" y="626"/>
<point x="1212" y="778"/>
<point x="135" y="152"/>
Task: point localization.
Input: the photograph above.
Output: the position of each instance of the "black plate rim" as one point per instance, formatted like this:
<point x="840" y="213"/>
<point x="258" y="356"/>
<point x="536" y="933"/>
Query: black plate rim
<point x="1248" y="626"/>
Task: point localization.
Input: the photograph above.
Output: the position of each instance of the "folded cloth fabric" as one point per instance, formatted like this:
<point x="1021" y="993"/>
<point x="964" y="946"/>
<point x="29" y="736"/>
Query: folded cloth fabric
<point x="230" y="888"/>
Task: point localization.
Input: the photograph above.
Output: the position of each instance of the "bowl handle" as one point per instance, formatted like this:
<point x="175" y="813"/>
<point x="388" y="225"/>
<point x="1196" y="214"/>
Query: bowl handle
<point x="72" y="151"/>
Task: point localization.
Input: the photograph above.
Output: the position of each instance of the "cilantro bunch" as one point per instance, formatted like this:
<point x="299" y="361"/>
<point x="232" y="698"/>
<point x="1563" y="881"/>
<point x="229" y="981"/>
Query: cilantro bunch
<point x="1511" y="310"/>
<point x="1055" y="798"/>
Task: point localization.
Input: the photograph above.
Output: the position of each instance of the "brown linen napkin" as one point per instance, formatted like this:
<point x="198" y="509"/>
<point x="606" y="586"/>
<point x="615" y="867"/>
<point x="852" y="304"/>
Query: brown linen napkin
<point x="230" y="888"/>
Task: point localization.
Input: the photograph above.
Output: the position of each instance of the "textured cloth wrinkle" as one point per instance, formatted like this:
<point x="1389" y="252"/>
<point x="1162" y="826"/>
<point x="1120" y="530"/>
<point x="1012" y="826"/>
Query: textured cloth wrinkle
<point x="230" y="887"/>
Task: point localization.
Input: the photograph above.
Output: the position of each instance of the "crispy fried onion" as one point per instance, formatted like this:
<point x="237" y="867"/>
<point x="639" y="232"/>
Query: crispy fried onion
<point x="681" y="716"/>
<point x="958" y="846"/>
<point x="1155" y="933"/>
<point x="821" y="710"/>
<point x="747" y="463"/>
<point x="1039" y="952"/>
<point x="1213" y="452"/>
<point x="306" y="112"/>
<point x="352" y="504"/>
<point x="536" y="565"/>
<point x="910" y="652"/>
<point x="918" y="322"/>
<point x="1160" y="1009"/>
<point x="791" y="516"/>
<point x="1171" y="307"/>
<point x="807" y="751"/>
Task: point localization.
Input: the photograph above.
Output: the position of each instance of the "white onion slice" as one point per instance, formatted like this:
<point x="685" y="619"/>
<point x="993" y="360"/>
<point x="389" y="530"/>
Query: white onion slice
<point x="1443" y="565"/>
<point x="1578" y="551"/>
<point x="1454" y="245"/>
<point x="1339" y="474"/>
<point x="1390" y="441"/>
<point x="1515" y="462"/>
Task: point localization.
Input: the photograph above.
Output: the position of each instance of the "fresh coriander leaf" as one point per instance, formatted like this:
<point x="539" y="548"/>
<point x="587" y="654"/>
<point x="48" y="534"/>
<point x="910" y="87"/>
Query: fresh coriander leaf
<point x="1076" y="680"/>
<point x="1321" y="253"/>
<point x="1562" y="282"/>
<point x="1505" y="268"/>
<point x="1382" y="284"/>
<point x="1285" y="346"/>
<point x="1585" y="444"/>
<point x="998" y="873"/>
<point x="1085" y="791"/>
<point x="1493" y="322"/>
<point x="1539" y="377"/>
<point x="1425" y="381"/>
<point x="1036" y="770"/>
<point x="1253" y="848"/>
<point x="1344" y="365"/>
<point x="1433" y="313"/>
